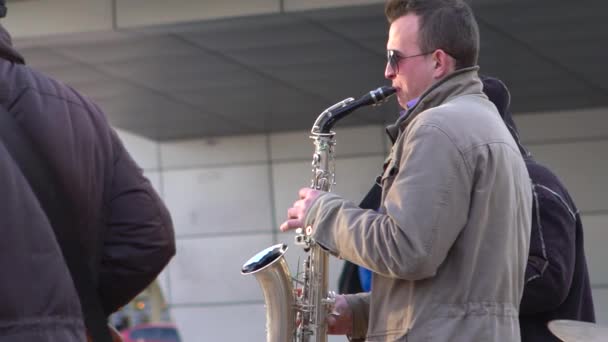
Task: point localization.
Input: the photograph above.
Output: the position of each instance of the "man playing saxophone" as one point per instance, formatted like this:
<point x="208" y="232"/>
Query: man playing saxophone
<point x="449" y="243"/>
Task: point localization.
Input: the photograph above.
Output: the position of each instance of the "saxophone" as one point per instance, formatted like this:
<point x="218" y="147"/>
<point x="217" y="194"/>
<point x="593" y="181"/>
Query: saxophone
<point x="296" y="309"/>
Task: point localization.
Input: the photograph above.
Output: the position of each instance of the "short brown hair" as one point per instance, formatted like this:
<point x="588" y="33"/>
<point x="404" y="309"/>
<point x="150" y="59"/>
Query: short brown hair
<point x="444" y="24"/>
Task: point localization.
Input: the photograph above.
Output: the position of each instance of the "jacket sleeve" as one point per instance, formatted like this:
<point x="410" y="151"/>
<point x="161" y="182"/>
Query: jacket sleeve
<point x="426" y="207"/>
<point x="139" y="239"/>
<point x="552" y="251"/>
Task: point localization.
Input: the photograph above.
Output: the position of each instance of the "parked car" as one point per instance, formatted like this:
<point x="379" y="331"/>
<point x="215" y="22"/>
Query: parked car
<point x="151" y="332"/>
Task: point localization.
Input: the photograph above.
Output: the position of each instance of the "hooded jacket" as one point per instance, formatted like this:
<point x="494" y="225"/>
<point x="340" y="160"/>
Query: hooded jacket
<point x="449" y="243"/>
<point x="121" y="223"/>
<point x="557" y="282"/>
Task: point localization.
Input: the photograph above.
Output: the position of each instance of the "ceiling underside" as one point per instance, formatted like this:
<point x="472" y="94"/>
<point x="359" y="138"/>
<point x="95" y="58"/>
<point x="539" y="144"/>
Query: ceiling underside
<point x="277" y="72"/>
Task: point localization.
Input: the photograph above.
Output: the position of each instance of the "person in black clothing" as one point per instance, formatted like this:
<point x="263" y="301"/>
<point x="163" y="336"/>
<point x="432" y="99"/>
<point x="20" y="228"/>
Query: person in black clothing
<point x="557" y="281"/>
<point x="118" y="221"/>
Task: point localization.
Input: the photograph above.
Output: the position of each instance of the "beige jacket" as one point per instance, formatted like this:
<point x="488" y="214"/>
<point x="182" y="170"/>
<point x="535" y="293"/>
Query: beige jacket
<point x="448" y="246"/>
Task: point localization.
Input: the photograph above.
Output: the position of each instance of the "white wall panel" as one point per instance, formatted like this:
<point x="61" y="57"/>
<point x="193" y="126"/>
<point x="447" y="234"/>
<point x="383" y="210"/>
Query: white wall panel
<point x="164" y="284"/>
<point x="543" y="127"/>
<point x="312" y="4"/>
<point x="291" y="145"/>
<point x="596" y="238"/>
<point x="583" y="167"/>
<point x="46" y="17"/>
<point x="352" y="141"/>
<point x="600" y="300"/>
<point x="219" y="200"/>
<point x="155" y="179"/>
<point x="355" y="176"/>
<point x="349" y="141"/>
<point x="214" y="151"/>
<point x="144" y="151"/>
<point x="133" y="13"/>
<point x="209" y="270"/>
<point x="336" y="338"/>
<point x="223" y="323"/>
<point x="288" y="178"/>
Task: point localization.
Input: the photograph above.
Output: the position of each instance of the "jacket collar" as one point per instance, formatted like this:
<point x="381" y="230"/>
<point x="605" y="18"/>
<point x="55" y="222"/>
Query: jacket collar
<point x="7" y="51"/>
<point x="460" y="82"/>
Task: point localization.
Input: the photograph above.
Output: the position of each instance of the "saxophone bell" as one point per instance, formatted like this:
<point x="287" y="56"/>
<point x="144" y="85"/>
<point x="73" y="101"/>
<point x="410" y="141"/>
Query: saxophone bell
<point x="272" y="273"/>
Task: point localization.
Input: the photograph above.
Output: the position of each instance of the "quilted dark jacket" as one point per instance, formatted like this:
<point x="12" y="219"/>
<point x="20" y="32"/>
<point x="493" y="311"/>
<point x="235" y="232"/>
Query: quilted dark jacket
<point x="121" y="223"/>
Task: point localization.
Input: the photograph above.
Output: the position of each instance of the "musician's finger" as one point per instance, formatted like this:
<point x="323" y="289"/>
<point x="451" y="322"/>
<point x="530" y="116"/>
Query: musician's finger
<point x="292" y="213"/>
<point x="290" y="224"/>
<point x="304" y="192"/>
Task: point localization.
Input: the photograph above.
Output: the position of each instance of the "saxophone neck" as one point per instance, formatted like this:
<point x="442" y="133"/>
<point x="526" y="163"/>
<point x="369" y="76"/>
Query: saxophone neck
<point x="326" y="120"/>
<point x="333" y="114"/>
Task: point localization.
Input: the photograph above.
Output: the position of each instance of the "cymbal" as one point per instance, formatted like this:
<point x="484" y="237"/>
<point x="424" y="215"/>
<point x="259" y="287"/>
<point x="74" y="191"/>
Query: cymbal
<point x="576" y="331"/>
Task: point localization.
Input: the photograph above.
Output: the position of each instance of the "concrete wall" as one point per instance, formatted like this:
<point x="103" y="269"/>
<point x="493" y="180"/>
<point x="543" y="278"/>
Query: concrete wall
<point x="228" y="195"/>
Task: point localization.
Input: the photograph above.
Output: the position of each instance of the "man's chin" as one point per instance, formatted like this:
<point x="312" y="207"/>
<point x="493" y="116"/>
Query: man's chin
<point x="402" y="102"/>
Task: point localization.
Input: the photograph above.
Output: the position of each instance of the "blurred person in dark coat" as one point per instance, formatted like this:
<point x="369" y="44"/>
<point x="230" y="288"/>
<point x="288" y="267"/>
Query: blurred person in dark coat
<point x="121" y="223"/>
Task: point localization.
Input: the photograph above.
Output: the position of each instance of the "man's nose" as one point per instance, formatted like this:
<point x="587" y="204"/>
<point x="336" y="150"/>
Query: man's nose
<point x="389" y="73"/>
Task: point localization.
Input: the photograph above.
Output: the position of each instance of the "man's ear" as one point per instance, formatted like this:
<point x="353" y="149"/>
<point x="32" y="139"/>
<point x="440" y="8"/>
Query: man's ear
<point x="444" y="64"/>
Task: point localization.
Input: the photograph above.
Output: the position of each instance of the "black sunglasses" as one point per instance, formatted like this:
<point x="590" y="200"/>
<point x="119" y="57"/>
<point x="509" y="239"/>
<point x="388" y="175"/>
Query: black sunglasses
<point x="393" y="57"/>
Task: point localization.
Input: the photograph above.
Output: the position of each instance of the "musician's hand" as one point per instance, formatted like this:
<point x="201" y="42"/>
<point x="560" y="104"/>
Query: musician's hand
<point x="341" y="323"/>
<point x="296" y="214"/>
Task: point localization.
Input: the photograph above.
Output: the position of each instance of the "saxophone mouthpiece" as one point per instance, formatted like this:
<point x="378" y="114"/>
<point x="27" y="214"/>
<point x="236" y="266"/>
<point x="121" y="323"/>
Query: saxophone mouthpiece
<point x="378" y="96"/>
